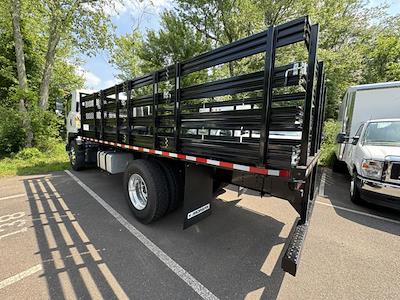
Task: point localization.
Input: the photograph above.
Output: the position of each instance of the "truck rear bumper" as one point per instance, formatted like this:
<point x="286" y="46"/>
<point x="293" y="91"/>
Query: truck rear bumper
<point x="376" y="192"/>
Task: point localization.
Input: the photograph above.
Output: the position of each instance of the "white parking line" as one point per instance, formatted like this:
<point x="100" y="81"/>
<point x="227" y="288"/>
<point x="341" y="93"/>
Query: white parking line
<point x="12" y="196"/>
<point x="20" y="276"/>
<point x="322" y="185"/>
<point x="359" y="212"/>
<point x="200" y="289"/>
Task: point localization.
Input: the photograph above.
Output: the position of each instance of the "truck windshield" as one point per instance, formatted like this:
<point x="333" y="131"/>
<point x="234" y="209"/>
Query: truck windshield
<point x="385" y="132"/>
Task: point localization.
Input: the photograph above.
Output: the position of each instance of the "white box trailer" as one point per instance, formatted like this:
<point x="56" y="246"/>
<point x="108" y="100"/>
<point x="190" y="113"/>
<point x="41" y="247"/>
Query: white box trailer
<point x="362" y="103"/>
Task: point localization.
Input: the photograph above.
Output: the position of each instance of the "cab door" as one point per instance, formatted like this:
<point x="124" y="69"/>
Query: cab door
<point x="355" y="152"/>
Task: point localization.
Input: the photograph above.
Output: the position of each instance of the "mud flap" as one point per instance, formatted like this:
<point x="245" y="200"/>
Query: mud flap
<point x="198" y="194"/>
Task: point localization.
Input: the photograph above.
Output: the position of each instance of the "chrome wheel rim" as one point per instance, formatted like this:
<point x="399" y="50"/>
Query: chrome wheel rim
<point x="352" y="183"/>
<point x="72" y="155"/>
<point x="137" y="190"/>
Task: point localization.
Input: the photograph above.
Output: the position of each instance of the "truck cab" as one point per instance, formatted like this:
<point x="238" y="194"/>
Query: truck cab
<point x="72" y="113"/>
<point x="372" y="157"/>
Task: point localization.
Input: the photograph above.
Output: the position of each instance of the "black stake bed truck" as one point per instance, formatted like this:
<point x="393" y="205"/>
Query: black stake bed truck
<point x="182" y="133"/>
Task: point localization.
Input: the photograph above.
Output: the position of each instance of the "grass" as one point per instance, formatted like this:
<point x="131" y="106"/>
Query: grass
<point x="331" y="128"/>
<point x="31" y="161"/>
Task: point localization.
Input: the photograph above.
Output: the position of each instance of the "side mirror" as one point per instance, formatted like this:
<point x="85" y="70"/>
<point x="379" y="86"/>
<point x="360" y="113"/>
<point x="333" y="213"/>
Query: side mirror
<point x="341" y="138"/>
<point x="59" y="109"/>
<point x="355" y="140"/>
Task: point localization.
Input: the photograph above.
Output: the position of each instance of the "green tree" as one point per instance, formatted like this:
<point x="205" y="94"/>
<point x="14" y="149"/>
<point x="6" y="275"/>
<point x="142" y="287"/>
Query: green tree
<point x="175" y="41"/>
<point x="354" y="42"/>
<point x="125" y="55"/>
<point x="21" y="70"/>
<point x="134" y="55"/>
<point x="345" y="28"/>
<point x="382" y="55"/>
<point x="83" y="23"/>
<point x="21" y="74"/>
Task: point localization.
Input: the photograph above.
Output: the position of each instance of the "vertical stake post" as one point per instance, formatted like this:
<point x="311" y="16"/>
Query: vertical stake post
<point x="323" y="113"/>
<point x="308" y="106"/>
<point x="101" y="114"/>
<point x="317" y="111"/>
<point x="129" y="110"/>
<point x="95" y="96"/>
<point x="267" y="98"/>
<point x="155" y="108"/>
<point x="177" y="106"/>
<point x="117" y="123"/>
<point x="82" y="115"/>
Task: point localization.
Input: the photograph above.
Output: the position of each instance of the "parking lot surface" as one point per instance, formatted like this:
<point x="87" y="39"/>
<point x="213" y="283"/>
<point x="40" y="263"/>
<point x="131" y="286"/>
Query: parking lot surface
<point x="64" y="236"/>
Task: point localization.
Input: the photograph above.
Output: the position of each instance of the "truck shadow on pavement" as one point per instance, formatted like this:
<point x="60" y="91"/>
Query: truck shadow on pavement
<point x="234" y="253"/>
<point x="337" y="192"/>
<point x="73" y="266"/>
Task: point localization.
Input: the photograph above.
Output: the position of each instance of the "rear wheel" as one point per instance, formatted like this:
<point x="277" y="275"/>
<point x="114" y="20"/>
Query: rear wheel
<point x="146" y="190"/>
<point x="355" y="196"/>
<point x="76" y="156"/>
<point x="175" y="184"/>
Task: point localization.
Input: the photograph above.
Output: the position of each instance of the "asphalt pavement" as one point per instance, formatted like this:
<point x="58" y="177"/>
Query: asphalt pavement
<point x="67" y="237"/>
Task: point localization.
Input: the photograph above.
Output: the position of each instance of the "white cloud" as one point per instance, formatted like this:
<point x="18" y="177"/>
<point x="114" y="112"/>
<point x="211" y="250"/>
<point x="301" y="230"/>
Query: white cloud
<point x="116" y="8"/>
<point x="111" y="82"/>
<point x="91" y="80"/>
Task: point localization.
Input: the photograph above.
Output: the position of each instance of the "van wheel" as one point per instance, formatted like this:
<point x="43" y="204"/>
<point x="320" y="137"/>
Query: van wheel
<point x="76" y="156"/>
<point x="337" y="166"/>
<point x="355" y="196"/>
<point x="146" y="190"/>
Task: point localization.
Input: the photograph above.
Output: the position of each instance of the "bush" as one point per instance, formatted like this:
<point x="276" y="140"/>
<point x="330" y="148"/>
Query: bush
<point x="12" y="134"/>
<point x="28" y="153"/>
<point x="45" y="125"/>
<point x="331" y="128"/>
<point x="31" y="161"/>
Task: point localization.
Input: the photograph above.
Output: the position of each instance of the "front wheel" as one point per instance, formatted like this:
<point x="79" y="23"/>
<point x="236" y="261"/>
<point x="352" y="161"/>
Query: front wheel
<point x="355" y="196"/>
<point x="337" y="165"/>
<point x="76" y="156"/>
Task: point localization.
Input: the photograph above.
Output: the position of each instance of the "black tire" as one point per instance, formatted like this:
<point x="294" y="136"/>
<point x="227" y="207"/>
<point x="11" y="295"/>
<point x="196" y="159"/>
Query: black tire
<point x="175" y="184"/>
<point x="337" y="166"/>
<point x="157" y="190"/>
<point x="76" y="156"/>
<point x="355" y="196"/>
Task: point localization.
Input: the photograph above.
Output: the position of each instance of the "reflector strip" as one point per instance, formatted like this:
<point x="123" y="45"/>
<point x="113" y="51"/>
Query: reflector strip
<point x="202" y="160"/>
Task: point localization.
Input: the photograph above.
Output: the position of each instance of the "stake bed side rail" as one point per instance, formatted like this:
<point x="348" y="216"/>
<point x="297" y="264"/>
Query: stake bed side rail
<point x="260" y="128"/>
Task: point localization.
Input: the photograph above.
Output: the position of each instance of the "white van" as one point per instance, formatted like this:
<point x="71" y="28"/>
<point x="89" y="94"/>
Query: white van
<point x="369" y="143"/>
<point x="360" y="104"/>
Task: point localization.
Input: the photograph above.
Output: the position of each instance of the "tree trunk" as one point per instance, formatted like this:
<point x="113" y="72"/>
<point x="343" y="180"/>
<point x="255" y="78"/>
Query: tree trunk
<point x="54" y="38"/>
<point x="21" y="71"/>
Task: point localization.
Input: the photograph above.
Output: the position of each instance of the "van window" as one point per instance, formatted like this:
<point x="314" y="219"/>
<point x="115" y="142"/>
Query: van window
<point x="385" y="133"/>
<point x="358" y="133"/>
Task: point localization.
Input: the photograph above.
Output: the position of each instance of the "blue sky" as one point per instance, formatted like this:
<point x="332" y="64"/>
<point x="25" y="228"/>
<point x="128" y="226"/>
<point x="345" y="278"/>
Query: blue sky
<point x="100" y="74"/>
<point x="97" y="70"/>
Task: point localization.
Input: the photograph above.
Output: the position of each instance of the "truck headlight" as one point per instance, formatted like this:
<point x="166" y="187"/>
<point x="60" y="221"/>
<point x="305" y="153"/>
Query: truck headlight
<point x="372" y="168"/>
